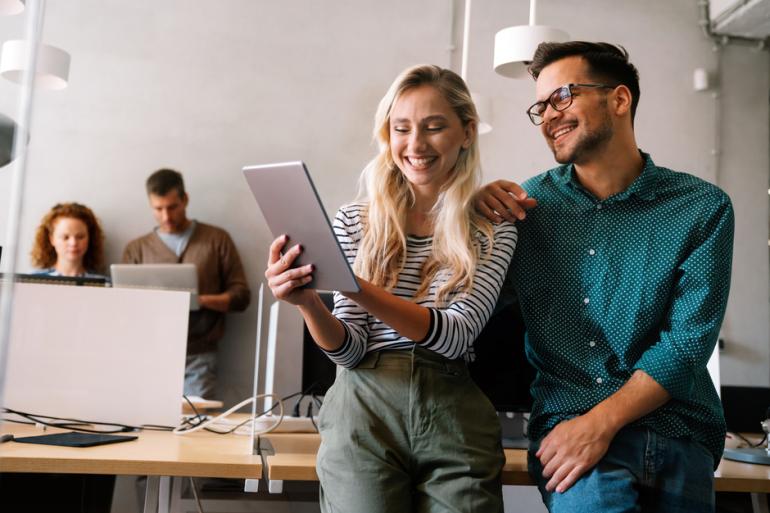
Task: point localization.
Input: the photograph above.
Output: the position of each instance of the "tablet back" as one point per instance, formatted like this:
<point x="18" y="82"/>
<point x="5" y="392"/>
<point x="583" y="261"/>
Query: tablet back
<point x="291" y="206"/>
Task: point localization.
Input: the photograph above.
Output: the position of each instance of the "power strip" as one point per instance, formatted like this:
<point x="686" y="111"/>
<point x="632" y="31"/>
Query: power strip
<point x="288" y="424"/>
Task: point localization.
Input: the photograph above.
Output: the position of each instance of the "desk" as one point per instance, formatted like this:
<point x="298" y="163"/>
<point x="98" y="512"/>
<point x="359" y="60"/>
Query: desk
<point x="154" y="454"/>
<point x="293" y="459"/>
<point x="734" y="476"/>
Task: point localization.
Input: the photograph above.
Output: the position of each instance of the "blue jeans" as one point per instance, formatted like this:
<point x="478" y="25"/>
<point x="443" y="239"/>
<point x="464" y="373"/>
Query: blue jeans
<point x="200" y="375"/>
<point x="642" y="471"/>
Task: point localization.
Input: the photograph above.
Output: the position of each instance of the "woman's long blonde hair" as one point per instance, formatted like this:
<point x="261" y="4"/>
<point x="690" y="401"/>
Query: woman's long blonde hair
<point x="389" y="196"/>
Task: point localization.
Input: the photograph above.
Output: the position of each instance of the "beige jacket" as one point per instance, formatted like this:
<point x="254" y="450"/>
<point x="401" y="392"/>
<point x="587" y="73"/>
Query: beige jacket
<point x="219" y="270"/>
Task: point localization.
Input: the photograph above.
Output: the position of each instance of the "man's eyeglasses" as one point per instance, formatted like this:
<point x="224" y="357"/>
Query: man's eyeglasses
<point x="560" y="100"/>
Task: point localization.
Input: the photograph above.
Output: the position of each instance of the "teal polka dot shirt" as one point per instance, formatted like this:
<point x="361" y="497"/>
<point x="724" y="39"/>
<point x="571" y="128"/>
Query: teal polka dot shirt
<point x="636" y="281"/>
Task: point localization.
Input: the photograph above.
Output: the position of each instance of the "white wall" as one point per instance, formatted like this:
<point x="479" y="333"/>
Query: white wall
<point x="744" y="175"/>
<point x="208" y="87"/>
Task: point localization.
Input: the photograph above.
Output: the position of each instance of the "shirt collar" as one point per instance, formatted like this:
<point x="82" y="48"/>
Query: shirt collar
<point x="644" y="187"/>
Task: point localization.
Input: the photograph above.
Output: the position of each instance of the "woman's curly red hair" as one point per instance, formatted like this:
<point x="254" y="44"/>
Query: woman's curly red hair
<point x="43" y="253"/>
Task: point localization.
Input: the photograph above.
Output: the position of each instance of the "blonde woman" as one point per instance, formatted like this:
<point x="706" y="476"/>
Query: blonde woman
<point x="404" y="428"/>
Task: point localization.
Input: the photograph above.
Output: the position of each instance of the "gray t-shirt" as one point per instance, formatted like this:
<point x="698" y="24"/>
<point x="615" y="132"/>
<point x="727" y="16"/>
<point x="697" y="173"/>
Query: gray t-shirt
<point x="177" y="242"/>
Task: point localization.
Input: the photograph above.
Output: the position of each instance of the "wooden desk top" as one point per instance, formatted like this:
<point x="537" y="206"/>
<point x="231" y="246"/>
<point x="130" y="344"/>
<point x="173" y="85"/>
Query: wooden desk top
<point x="515" y="468"/>
<point x="294" y="460"/>
<point x="205" y="454"/>
<point x="734" y="476"/>
<point x="160" y="453"/>
<point x="295" y="454"/>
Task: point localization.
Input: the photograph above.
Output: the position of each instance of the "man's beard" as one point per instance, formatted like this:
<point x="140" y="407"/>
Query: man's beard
<point x="588" y="144"/>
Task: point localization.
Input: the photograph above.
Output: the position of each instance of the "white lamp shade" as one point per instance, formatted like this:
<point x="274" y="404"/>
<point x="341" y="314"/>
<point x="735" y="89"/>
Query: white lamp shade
<point x="515" y="47"/>
<point x="484" y="110"/>
<point x="53" y="64"/>
<point x="11" y="7"/>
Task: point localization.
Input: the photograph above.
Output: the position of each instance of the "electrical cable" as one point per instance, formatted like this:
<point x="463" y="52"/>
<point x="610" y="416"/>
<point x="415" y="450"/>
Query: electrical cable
<point x="237" y="428"/>
<point x="194" y="409"/>
<point x="195" y="423"/>
<point x="309" y="413"/>
<point x="74" y="424"/>
<point x="182" y="430"/>
<point x="749" y="442"/>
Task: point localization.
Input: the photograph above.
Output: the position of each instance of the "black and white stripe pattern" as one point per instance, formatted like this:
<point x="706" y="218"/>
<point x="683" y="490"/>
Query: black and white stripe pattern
<point x="453" y="327"/>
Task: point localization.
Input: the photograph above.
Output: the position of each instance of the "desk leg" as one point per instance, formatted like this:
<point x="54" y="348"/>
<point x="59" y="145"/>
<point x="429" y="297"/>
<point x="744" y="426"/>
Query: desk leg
<point x="759" y="503"/>
<point x="176" y="495"/>
<point x="275" y="486"/>
<point x="151" y="494"/>
<point x="164" y="494"/>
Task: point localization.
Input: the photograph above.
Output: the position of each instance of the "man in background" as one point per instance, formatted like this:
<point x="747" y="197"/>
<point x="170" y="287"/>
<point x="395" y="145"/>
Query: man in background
<point x="222" y="283"/>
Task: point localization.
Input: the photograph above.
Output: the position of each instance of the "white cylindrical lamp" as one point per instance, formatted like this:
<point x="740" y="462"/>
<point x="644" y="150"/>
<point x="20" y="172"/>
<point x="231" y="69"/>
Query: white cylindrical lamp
<point x="11" y="7"/>
<point x="515" y="47"/>
<point x="484" y="110"/>
<point x="53" y="64"/>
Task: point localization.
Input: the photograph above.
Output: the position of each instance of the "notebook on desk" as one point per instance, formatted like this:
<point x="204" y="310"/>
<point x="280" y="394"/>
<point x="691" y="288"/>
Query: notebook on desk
<point x="75" y="439"/>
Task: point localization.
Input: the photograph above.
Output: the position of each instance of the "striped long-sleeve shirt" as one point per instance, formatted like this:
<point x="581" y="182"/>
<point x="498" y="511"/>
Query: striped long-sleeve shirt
<point x="453" y="326"/>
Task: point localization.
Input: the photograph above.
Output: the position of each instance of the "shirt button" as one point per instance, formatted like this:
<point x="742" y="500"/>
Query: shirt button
<point x="592" y="343"/>
<point x="591" y="252"/>
<point x="586" y="301"/>
<point x="599" y="380"/>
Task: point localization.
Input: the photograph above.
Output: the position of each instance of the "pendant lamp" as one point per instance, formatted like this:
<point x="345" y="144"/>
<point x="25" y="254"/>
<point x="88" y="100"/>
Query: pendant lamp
<point x="53" y="64"/>
<point x="515" y="46"/>
<point x="11" y="7"/>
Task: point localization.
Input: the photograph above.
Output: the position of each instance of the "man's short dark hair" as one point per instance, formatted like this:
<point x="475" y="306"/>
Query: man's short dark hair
<point x="163" y="181"/>
<point x="607" y="63"/>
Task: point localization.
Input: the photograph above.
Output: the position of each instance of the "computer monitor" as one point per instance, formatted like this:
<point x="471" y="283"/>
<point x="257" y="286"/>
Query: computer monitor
<point x="503" y="373"/>
<point x="318" y="371"/>
<point x="46" y="279"/>
<point x="745" y="407"/>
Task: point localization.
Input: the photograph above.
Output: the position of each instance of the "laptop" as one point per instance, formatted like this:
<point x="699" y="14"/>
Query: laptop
<point x="291" y="205"/>
<point x="183" y="277"/>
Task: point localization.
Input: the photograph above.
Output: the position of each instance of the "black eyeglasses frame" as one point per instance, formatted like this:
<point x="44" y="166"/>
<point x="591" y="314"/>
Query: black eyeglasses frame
<point x="534" y="116"/>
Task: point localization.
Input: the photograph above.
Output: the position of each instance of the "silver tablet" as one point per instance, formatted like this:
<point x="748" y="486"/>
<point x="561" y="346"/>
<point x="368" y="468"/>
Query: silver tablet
<point x="291" y="206"/>
<point x="182" y="277"/>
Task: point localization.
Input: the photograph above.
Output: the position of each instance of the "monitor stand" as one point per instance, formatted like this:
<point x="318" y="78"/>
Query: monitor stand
<point x="514" y="430"/>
